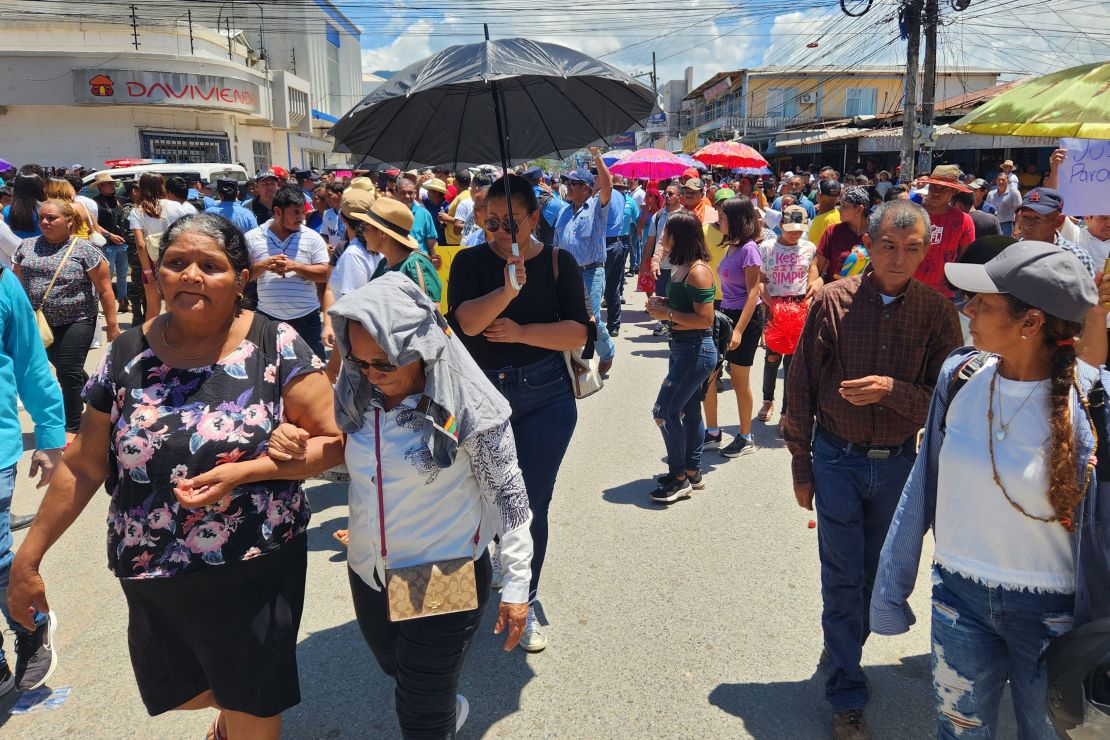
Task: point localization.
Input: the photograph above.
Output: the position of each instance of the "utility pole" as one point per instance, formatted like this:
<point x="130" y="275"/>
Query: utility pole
<point x="911" y="18"/>
<point x="228" y="19"/>
<point x="654" y="80"/>
<point x="192" y="50"/>
<point x="134" y="28"/>
<point x="929" y="86"/>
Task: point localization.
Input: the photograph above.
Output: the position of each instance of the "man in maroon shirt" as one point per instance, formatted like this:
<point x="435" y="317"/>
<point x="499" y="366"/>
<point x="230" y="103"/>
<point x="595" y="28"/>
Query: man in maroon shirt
<point x="952" y="229"/>
<point x="857" y="392"/>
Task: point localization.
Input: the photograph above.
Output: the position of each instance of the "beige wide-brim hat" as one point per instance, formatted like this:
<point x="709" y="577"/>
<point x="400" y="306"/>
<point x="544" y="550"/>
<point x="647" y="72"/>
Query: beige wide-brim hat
<point x="392" y="217"/>
<point x="362" y="183"/>
<point x="948" y="176"/>
<point x="103" y="177"/>
<point x="437" y="185"/>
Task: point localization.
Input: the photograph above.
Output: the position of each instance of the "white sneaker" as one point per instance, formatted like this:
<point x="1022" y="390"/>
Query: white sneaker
<point x="495" y="560"/>
<point x="462" y="711"/>
<point x="534" y="640"/>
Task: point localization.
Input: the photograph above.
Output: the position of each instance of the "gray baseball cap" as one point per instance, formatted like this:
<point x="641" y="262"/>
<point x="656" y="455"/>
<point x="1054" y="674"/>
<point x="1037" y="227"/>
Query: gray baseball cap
<point x="1043" y="275"/>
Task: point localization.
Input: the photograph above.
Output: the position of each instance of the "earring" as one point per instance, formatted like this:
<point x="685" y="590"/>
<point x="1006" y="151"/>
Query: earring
<point x="1024" y="337"/>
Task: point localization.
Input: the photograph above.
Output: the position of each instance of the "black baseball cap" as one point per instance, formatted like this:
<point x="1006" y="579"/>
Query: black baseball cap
<point x="830" y="187"/>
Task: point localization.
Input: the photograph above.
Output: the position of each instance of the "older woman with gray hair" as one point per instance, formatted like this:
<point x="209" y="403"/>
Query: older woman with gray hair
<point x="434" y="477"/>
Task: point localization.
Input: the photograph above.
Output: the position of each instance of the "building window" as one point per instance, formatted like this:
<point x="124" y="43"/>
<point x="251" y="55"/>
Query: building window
<point x="782" y="102"/>
<point x="261" y="155"/>
<point x="861" y="101"/>
<point x="316" y="160"/>
<point x="178" y="148"/>
<point x="335" y="102"/>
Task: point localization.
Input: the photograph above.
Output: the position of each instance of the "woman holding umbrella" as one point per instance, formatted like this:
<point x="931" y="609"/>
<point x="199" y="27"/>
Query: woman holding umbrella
<point x="518" y="336"/>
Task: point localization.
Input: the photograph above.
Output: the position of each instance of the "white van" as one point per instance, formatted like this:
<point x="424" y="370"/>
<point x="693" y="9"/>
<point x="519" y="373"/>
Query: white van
<point x="207" y="171"/>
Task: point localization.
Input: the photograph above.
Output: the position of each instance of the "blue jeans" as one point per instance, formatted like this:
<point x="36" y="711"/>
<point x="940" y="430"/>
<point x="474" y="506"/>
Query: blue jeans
<point x="983" y="636"/>
<point x="594" y="281"/>
<point x="636" y="244"/>
<point x="678" y="407"/>
<point x="1006" y="227"/>
<point x="615" y="256"/>
<point x="116" y="255"/>
<point x="855" y="497"/>
<point x="7" y="487"/>
<point x="544" y="416"/>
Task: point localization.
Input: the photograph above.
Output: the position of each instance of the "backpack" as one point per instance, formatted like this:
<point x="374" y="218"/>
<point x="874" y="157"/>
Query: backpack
<point x="722" y="337"/>
<point x="545" y="232"/>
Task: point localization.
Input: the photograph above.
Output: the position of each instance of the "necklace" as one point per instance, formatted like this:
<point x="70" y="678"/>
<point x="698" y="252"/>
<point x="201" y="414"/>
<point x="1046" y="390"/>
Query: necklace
<point x="191" y="358"/>
<point x="1004" y="426"/>
<point x="1064" y="520"/>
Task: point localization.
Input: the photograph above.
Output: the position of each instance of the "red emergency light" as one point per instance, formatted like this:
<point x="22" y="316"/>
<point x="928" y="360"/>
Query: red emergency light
<point x="117" y="163"/>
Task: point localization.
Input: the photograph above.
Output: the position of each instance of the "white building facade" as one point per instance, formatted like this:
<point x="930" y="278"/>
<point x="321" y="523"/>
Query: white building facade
<point x="261" y="88"/>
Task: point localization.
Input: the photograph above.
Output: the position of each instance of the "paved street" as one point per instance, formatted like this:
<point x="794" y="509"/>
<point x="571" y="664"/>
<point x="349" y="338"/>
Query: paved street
<point x="699" y="620"/>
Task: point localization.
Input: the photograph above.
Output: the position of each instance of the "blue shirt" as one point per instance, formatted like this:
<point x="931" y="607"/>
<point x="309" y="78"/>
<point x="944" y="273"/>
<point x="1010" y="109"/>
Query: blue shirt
<point x="423" y="227"/>
<point x="243" y="219"/>
<point x="615" y="222"/>
<point x="582" y="232"/>
<point x="22" y="234"/>
<point x="195" y="194"/>
<point x="801" y="200"/>
<point x="631" y="215"/>
<point x="25" y="371"/>
<point x="552" y="208"/>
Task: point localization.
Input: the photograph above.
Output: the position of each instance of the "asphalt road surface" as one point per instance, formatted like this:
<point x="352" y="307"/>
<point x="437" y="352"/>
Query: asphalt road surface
<point x="701" y="620"/>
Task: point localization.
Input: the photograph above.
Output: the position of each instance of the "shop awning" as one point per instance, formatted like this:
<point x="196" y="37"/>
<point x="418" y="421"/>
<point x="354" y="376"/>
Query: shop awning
<point x="818" y="137"/>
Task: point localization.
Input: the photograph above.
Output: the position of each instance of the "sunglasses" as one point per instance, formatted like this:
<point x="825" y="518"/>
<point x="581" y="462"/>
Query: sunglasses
<point x="493" y="224"/>
<point x="672" y="193"/>
<point x="381" y="367"/>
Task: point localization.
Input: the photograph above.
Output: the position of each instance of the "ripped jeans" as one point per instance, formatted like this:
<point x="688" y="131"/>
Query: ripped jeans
<point x="982" y="637"/>
<point x="677" y="409"/>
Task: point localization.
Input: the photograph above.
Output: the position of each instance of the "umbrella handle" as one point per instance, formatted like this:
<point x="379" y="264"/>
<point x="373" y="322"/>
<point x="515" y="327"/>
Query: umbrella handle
<point x="512" y="273"/>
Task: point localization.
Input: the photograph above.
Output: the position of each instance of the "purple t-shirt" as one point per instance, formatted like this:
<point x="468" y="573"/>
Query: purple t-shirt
<point x="734" y="284"/>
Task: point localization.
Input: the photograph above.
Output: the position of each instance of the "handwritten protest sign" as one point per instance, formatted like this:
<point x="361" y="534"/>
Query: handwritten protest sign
<point x="1084" y="180"/>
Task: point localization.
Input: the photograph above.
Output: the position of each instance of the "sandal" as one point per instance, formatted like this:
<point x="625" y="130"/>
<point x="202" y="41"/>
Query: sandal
<point x="764" y="414"/>
<point x="343" y="537"/>
<point x="214" y="732"/>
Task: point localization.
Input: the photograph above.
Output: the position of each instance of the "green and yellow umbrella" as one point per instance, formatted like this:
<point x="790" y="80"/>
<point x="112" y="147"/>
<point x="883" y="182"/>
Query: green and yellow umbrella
<point x="1072" y="102"/>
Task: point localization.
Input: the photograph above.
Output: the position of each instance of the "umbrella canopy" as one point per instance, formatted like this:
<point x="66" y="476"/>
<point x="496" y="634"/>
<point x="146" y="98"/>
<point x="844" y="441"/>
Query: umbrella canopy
<point x="651" y="164"/>
<point x="1072" y="102"/>
<point x="691" y="162"/>
<point x="5" y="165"/>
<point x="611" y="158"/>
<point x="733" y="155"/>
<point x="440" y="110"/>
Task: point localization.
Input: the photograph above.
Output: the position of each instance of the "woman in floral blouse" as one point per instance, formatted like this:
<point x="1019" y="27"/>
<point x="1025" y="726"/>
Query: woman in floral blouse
<point x="178" y="421"/>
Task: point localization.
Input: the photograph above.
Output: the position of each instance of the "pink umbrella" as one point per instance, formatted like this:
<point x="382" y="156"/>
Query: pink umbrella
<point x="731" y="154"/>
<point x="649" y="164"/>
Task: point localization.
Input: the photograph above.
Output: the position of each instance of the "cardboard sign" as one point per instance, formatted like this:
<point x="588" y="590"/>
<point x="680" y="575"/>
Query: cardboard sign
<point x="1084" y="177"/>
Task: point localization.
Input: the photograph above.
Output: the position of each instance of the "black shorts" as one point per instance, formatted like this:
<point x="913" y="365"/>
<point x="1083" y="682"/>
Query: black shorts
<point x="231" y="629"/>
<point x="744" y="354"/>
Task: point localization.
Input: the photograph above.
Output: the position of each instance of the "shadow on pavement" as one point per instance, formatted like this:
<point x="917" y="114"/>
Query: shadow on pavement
<point x="901" y="703"/>
<point x="662" y="352"/>
<point x="344" y="693"/>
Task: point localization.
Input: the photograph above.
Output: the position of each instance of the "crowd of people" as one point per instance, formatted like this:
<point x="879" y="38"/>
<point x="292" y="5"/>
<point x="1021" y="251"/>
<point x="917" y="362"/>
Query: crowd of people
<point x="206" y="416"/>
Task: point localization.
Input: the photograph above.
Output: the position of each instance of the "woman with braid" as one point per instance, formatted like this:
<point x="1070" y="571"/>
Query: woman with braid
<point x="1005" y="479"/>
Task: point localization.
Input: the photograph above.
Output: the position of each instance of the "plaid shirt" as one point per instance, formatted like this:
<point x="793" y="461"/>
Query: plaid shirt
<point x="849" y="334"/>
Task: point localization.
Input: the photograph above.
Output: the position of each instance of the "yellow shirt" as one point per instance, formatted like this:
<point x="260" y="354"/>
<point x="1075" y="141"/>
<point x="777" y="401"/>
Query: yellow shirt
<point x="452" y="234"/>
<point x="822" y="222"/>
<point x="714" y="243"/>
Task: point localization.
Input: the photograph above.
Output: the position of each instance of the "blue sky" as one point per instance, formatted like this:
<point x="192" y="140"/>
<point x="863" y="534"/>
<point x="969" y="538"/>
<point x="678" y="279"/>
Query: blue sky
<point x="715" y="35"/>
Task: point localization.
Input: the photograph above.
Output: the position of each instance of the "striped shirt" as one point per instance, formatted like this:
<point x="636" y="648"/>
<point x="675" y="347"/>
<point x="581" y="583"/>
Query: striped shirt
<point x="288" y="296"/>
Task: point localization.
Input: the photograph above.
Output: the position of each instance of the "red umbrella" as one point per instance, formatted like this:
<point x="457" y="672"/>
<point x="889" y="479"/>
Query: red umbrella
<point x="731" y="154"/>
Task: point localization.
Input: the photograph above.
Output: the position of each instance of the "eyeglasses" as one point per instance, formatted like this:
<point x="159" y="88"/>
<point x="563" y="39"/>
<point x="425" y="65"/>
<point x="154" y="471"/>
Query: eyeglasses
<point x="381" y="367"/>
<point x="493" y="223"/>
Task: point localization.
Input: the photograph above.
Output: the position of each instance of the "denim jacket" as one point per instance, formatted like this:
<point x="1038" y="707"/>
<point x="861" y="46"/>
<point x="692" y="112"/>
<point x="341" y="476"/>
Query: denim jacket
<point x="901" y="555"/>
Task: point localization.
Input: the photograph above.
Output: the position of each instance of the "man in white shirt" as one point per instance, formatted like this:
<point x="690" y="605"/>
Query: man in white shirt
<point x="334" y="231"/>
<point x="1096" y="237"/>
<point x="288" y="259"/>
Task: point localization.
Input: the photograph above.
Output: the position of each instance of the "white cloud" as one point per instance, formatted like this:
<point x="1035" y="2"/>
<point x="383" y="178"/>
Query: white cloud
<point x="409" y="46"/>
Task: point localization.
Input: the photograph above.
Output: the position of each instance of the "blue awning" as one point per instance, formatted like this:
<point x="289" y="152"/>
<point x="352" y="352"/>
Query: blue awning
<point x="321" y="116"/>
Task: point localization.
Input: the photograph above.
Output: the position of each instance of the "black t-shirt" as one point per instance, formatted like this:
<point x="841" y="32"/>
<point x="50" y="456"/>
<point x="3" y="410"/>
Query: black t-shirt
<point x="478" y="271"/>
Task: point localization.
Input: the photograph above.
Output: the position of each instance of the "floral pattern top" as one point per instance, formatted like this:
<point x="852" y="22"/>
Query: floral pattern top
<point x="169" y="424"/>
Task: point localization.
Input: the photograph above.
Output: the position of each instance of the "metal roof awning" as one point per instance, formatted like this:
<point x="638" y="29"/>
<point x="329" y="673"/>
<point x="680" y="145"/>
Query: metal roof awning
<point x="890" y="140"/>
<point x="820" y="137"/>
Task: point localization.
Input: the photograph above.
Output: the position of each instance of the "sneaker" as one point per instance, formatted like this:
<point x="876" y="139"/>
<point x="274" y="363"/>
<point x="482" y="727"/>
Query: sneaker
<point x="462" y="711"/>
<point x="738" y="446"/>
<point x="7" y="680"/>
<point x="35" y="657"/>
<point x="712" y="441"/>
<point x="659" y="330"/>
<point x="696" y="481"/>
<point x="534" y="640"/>
<point x="22" y="521"/>
<point x="850" y="725"/>
<point x="671" y="490"/>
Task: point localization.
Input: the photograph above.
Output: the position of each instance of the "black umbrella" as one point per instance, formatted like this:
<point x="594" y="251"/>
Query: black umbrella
<point x="463" y="106"/>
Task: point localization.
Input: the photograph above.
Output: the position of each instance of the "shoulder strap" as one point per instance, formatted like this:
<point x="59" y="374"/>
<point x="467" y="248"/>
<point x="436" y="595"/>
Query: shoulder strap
<point x="72" y="242"/>
<point x="555" y="262"/>
<point x="971" y="366"/>
<point x="420" y="276"/>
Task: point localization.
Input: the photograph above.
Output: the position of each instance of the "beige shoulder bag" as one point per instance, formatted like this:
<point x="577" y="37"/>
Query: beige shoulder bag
<point x="583" y="365"/>
<point x="45" y="331"/>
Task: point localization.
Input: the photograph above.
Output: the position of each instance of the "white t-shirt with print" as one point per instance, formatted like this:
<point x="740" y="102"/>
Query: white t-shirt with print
<point x="353" y="270"/>
<point x="787" y="268"/>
